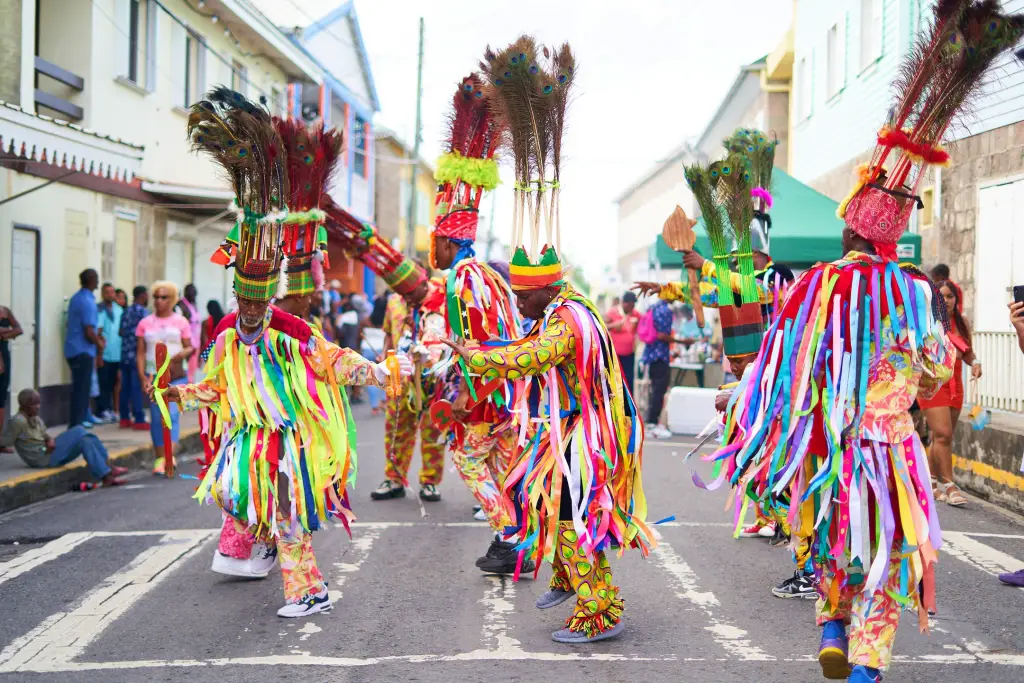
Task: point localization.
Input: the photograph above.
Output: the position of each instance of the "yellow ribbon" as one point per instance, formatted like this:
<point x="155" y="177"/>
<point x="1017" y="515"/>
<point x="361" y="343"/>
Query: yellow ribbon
<point x="158" y="393"/>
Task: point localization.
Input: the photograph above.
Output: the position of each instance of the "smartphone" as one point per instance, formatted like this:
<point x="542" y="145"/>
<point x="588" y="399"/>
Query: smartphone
<point x="1018" y="294"/>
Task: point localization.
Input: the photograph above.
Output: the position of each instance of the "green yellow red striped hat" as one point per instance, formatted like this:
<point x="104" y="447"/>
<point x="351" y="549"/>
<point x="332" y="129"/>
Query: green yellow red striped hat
<point x="526" y="275"/>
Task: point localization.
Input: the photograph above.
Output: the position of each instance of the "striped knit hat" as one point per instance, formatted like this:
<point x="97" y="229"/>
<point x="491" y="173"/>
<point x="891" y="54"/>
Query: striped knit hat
<point x="526" y="275"/>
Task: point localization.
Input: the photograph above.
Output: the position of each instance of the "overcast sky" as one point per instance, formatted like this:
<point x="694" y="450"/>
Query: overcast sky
<point x="648" y="77"/>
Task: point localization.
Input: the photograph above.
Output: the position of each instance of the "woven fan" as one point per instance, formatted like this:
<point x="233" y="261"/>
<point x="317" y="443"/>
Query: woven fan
<point x="679" y="236"/>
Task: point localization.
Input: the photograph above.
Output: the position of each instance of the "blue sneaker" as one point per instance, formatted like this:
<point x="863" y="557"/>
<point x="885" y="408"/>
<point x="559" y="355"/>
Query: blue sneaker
<point x="864" y="674"/>
<point x="833" y="651"/>
<point x="87" y="424"/>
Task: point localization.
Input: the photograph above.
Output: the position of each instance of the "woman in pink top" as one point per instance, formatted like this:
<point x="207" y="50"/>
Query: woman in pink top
<point x="163" y="325"/>
<point x="622" y="321"/>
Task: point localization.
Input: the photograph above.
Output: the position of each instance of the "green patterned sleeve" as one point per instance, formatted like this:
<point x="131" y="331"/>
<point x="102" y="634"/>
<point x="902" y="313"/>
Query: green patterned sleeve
<point x="532" y="355"/>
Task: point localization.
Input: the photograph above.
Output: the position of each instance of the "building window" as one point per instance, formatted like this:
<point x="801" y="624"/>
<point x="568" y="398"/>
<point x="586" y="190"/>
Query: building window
<point x="926" y="214"/>
<point x="835" y="58"/>
<point x="803" y="93"/>
<point x="135" y="31"/>
<point x="871" y="13"/>
<point x="359" y="147"/>
<point x="276" y="102"/>
<point x="239" y="78"/>
<point x="194" y="69"/>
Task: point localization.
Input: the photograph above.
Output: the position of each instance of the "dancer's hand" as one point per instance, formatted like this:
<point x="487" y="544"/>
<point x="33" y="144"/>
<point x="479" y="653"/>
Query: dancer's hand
<point x="722" y="400"/>
<point x="170" y="393"/>
<point x="645" y="288"/>
<point x="405" y="366"/>
<point x="459" y="349"/>
<point x="693" y="260"/>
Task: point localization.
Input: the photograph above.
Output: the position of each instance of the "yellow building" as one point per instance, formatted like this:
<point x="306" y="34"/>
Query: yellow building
<point x="394" y="173"/>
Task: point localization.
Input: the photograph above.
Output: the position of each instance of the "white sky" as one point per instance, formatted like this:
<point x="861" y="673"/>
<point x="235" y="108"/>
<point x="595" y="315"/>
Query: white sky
<point x="648" y="77"/>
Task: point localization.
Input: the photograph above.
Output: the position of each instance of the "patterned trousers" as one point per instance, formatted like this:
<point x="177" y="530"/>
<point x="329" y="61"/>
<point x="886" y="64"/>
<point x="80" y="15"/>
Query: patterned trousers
<point x="598" y="605"/>
<point x="299" y="572"/>
<point x="872" y="619"/>
<point x="482" y="461"/>
<point x="401" y="423"/>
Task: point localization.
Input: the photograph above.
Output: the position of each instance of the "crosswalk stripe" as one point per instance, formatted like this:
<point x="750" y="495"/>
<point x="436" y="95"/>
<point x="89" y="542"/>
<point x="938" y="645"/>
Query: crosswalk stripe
<point x="30" y="559"/>
<point x="731" y="638"/>
<point x="499" y="601"/>
<point x="63" y="636"/>
<point x="977" y="554"/>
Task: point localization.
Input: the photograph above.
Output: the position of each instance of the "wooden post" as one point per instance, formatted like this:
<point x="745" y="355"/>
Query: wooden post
<point x="163" y="381"/>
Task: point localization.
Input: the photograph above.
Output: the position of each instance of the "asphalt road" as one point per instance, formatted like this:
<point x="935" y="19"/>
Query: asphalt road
<point x="114" y="585"/>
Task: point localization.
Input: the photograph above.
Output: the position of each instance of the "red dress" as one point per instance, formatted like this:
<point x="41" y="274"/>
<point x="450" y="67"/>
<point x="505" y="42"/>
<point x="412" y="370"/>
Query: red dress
<point x="951" y="394"/>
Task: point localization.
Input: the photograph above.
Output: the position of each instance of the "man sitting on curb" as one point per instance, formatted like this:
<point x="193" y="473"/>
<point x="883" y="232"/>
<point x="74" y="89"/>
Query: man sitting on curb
<point x="26" y="431"/>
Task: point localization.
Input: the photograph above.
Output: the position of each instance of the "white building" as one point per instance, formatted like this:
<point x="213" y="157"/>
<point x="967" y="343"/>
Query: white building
<point x="94" y="98"/>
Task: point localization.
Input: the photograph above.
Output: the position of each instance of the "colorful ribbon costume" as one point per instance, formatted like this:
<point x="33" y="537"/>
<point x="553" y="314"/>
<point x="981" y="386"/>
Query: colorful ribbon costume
<point x="824" y="412"/>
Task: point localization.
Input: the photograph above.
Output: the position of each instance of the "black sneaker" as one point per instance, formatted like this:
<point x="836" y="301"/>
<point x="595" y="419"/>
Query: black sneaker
<point x="429" y="493"/>
<point x="388" y="490"/>
<point x="800" y="585"/>
<point x="779" y="537"/>
<point x="501" y="558"/>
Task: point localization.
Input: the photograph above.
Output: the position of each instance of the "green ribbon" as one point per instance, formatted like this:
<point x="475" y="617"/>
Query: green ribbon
<point x="158" y="393"/>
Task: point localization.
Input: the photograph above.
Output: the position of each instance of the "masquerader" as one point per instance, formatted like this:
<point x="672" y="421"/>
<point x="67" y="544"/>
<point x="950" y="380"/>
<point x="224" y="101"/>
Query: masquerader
<point x="311" y="155"/>
<point x="478" y="307"/>
<point x="575" y="482"/>
<point x="855" y="343"/>
<point x="275" y="419"/>
<point x="414" y="325"/>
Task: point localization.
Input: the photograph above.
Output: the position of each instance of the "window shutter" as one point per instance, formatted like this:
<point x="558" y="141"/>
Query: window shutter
<point x="179" y="64"/>
<point x="841" y="52"/>
<point x="122" y="30"/>
<point x="200" y="68"/>
<point x="877" y="25"/>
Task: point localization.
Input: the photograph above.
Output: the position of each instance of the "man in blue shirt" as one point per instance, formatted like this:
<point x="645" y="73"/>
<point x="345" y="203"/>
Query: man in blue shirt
<point x="656" y="358"/>
<point x="109" y="314"/>
<point x="80" y="344"/>
<point x="131" y="385"/>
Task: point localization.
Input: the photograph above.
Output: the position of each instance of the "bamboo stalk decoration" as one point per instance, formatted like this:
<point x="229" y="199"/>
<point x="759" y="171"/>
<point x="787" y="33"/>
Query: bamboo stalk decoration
<point x="679" y="236"/>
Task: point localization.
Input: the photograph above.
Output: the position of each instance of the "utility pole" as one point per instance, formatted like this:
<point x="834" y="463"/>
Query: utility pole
<point x="410" y="224"/>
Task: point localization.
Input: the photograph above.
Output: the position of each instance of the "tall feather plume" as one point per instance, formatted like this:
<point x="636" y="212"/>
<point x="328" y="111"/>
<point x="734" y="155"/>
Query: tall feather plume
<point x="312" y="154"/>
<point x="239" y="135"/>
<point x="474" y="132"/>
<point x="759" y="150"/>
<point x="703" y="181"/>
<point x="527" y="95"/>
<point x="940" y="77"/>
<point x="734" y="195"/>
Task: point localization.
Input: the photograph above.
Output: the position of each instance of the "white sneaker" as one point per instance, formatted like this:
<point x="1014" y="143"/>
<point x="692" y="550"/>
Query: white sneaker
<point x="659" y="432"/>
<point x="767" y="531"/>
<point x="311" y="604"/>
<point x="231" y="566"/>
<point x="480" y="515"/>
<point x="262" y="559"/>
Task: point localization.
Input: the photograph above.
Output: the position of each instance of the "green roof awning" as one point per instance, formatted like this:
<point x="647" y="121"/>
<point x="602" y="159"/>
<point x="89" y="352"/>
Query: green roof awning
<point x="805" y="230"/>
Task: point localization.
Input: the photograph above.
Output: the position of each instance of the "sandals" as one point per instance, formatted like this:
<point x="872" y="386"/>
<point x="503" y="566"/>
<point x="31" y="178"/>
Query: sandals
<point x="951" y="494"/>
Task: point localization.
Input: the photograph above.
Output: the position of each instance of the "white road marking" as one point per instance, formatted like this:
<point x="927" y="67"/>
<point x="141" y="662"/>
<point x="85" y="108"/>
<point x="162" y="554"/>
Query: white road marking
<point x="732" y="638"/>
<point x="977" y="554"/>
<point x="55" y="643"/>
<point x="30" y="559"/>
<point x="359" y="546"/>
<point x="499" y="602"/>
<point x="308" y="629"/>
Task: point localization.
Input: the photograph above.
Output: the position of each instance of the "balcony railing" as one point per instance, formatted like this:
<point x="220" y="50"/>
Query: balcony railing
<point x="1001" y="386"/>
<point x="47" y="99"/>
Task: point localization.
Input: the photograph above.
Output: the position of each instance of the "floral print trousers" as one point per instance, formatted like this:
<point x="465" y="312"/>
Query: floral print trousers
<point x="481" y="462"/>
<point x="401" y="424"/>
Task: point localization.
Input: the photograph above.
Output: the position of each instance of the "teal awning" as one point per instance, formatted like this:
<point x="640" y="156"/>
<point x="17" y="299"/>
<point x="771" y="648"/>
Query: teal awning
<point x="805" y="230"/>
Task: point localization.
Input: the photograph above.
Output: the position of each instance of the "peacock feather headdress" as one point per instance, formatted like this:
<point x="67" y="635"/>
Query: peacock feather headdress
<point x="759" y="151"/>
<point x="467" y="168"/>
<point x="936" y="84"/>
<point x="240" y="136"/>
<point x="529" y="90"/>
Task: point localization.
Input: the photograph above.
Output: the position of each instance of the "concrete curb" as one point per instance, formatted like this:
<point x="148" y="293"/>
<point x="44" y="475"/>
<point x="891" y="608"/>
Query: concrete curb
<point x="50" y="482"/>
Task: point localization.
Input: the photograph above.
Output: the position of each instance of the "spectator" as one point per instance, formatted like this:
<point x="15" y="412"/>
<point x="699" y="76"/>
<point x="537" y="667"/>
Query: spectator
<point x="9" y="329"/>
<point x="1017" y="320"/>
<point x="347" y="324"/>
<point x="656" y="358"/>
<point x="163" y="325"/>
<point x="131" y="384"/>
<point x="81" y="341"/>
<point x="109" y="315"/>
<point x="26" y="431"/>
<point x="942" y="411"/>
<point x="380" y="305"/>
<point x="622" y="322"/>
<point x="121" y="297"/>
<point x="501" y="268"/>
<point x="940" y="273"/>
<point x="215" y="315"/>
<point x="122" y="300"/>
<point x="373" y="350"/>
<point x="187" y="306"/>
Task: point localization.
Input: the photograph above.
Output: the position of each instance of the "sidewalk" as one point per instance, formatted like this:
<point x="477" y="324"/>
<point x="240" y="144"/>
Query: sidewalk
<point x="21" y="485"/>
